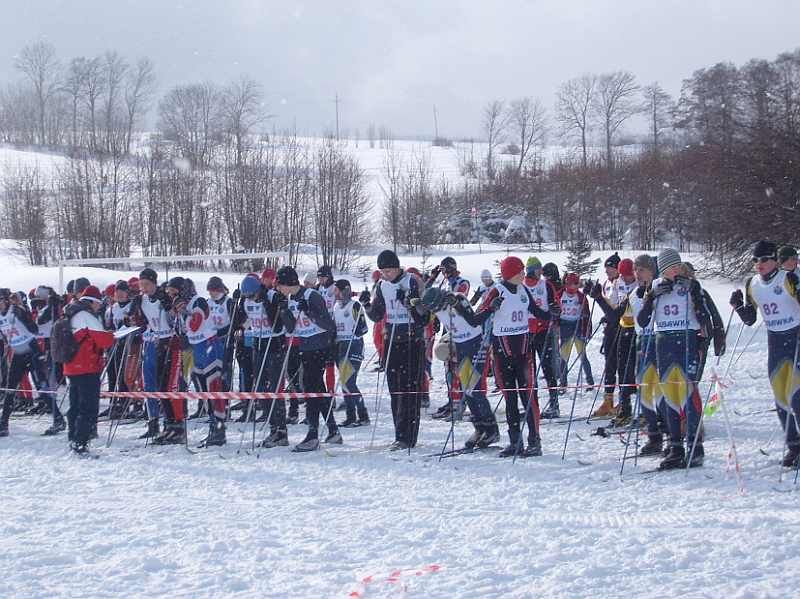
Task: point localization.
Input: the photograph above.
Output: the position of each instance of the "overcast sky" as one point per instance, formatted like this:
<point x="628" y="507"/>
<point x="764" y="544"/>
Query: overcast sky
<point x="390" y="61"/>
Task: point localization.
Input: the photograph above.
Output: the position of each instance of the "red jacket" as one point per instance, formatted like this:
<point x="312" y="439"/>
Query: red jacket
<point x="91" y="345"/>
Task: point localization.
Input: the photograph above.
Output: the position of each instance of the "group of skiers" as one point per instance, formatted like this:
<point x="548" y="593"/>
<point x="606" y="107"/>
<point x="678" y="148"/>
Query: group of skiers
<point x="659" y="326"/>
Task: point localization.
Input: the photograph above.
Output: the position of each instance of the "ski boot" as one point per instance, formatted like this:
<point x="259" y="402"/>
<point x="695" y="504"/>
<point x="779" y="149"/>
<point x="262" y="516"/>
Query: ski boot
<point x="4" y="428"/>
<point x="399" y="446"/>
<point x="199" y="412"/>
<point x="623" y="416"/>
<point x="653" y="446"/>
<point x="216" y="434"/>
<point x="442" y="413"/>
<point x="175" y="434"/>
<point x="58" y="425"/>
<point x="606" y="408"/>
<point x="552" y="410"/>
<point x="589" y="386"/>
<point x="310" y="443"/>
<point x="152" y="431"/>
<point x="276" y="438"/>
<point x="534" y="448"/>
<point x="792" y="457"/>
<point x="363" y="415"/>
<point x="79" y="448"/>
<point x="475" y="438"/>
<point x="514" y="446"/>
<point x="334" y="437"/>
<point x="350" y="420"/>
<point x="697" y="457"/>
<point x="491" y="436"/>
<point x="675" y="459"/>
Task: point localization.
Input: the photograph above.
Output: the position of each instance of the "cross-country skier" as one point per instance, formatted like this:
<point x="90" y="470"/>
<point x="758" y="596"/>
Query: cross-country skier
<point x="404" y="344"/>
<point x="514" y="361"/>
<point x="610" y="331"/>
<point x="305" y="317"/>
<point x="774" y="293"/>
<point x="487" y="282"/>
<point x="161" y="364"/>
<point x="326" y="288"/>
<point x="574" y="329"/>
<point x="625" y="342"/>
<point x="19" y="333"/>
<point x="544" y="331"/>
<point x="115" y="317"/>
<point x="351" y="326"/>
<point x="378" y="328"/>
<point x="85" y="367"/>
<point x="207" y="350"/>
<point x="676" y="306"/>
<point x="468" y="366"/>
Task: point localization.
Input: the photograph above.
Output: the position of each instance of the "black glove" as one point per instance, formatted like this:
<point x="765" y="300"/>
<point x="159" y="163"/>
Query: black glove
<point x="737" y="299"/>
<point x="663" y="287"/>
<point x="640" y="291"/>
<point x="495" y="303"/>
<point x="237" y="293"/>
<point x="435" y="271"/>
<point x="302" y="305"/>
<point x="587" y="287"/>
<point x="364" y="298"/>
<point x="451" y="299"/>
<point x="597" y="291"/>
<point x="401" y="295"/>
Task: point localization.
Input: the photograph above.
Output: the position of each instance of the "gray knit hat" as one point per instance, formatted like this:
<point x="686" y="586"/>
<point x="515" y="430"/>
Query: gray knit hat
<point x="668" y="257"/>
<point x="645" y="261"/>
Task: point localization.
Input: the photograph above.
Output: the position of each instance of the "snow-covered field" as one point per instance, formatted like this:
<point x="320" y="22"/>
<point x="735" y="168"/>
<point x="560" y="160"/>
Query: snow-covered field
<point x="354" y="522"/>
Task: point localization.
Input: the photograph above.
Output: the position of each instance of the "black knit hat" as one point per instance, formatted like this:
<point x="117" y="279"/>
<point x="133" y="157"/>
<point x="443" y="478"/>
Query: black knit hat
<point x="388" y="259"/>
<point x="343" y="285"/>
<point x="765" y="249"/>
<point x="149" y="274"/>
<point x="215" y="284"/>
<point x="325" y="271"/>
<point x="122" y="285"/>
<point x="81" y="283"/>
<point x="287" y="275"/>
<point x="448" y="264"/>
<point x="613" y="260"/>
<point x="177" y="283"/>
<point x="785" y="252"/>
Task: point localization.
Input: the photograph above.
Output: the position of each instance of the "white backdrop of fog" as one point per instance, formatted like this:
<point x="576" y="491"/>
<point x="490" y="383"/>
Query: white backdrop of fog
<point x="390" y="61"/>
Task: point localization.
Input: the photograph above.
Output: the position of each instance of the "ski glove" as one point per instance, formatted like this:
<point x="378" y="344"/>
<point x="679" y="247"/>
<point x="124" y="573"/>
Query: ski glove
<point x="451" y="299"/>
<point x="587" y="288"/>
<point x="596" y="291"/>
<point x="237" y="293"/>
<point x="737" y="299"/>
<point x="401" y="295"/>
<point x="302" y="305"/>
<point x="495" y="304"/>
<point x="663" y="287"/>
<point x="364" y="298"/>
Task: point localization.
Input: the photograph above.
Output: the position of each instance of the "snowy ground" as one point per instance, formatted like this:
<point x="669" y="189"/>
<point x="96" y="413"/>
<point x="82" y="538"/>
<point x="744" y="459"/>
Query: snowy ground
<point x="349" y="522"/>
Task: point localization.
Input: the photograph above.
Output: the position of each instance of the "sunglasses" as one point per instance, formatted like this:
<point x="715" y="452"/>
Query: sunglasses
<point x="763" y="259"/>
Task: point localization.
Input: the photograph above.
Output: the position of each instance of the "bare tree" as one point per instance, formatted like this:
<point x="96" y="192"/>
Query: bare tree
<point x="614" y="104"/>
<point x="242" y="112"/>
<point x="573" y="108"/>
<point x="189" y="117"/>
<point x="94" y="83"/>
<point x="527" y="115"/>
<point x="115" y="69"/>
<point x="659" y="107"/>
<point x="139" y="89"/>
<point x="494" y="127"/>
<point x="39" y="64"/>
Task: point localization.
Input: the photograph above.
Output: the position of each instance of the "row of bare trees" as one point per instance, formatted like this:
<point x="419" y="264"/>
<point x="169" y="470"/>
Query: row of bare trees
<point x="282" y="195"/>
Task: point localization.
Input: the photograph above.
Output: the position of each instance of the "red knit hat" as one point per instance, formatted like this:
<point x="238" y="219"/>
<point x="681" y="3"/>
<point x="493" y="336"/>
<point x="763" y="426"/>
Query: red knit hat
<point x="110" y="290"/>
<point x="92" y="292"/>
<point x="268" y="275"/>
<point x="625" y="267"/>
<point x="510" y="267"/>
<point x="376" y="276"/>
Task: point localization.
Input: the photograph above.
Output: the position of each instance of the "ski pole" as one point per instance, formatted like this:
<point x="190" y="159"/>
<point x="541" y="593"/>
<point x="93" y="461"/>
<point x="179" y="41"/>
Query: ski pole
<point x="533" y="392"/>
<point x="708" y="395"/>
<point x="450" y="391"/>
<point x="380" y="387"/>
<point x="339" y="383"/>
<point x="282" y="374"/>
<point x="650" y="336"/>
<point x="250" y="402"/>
